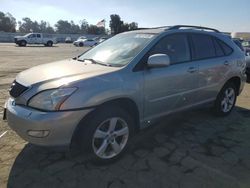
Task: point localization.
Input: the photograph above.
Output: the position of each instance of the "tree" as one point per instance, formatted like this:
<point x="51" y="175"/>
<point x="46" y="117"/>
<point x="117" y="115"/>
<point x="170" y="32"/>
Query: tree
<point x="63" y="26"/>
<point x="118" y="26"/>
<point x="133" y="26"/>
<point x="93" y="29"/>
<point x="27" y="25"/>
<point x="124" y="27"/>
<point x="44" y="27"/>
<point x="84" y="26"/>
<point x="75" y="29"/>
<point x="115" y="24"/>
<point x="7" y="22"/>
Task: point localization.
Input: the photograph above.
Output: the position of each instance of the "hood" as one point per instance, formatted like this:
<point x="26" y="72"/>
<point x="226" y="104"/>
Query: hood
<point x="61" y="69"/>
<point x="17" y="37"/>
<point x="81" y="40"/>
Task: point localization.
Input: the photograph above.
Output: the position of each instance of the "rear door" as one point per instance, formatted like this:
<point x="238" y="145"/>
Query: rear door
<point x="170" y="88"/>
<point x="212" y="56"/>
<point x="38" y="38"/>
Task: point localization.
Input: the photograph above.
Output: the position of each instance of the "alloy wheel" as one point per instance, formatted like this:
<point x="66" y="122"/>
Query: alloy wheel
<point x="228" y="101"/>
<point x="110" y="138"/>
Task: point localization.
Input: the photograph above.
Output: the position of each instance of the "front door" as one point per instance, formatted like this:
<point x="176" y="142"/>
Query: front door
<point x="170" y="88"/>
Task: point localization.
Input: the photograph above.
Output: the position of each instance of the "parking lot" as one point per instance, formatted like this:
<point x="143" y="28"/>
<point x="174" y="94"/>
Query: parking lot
<point x="191" y="149"/>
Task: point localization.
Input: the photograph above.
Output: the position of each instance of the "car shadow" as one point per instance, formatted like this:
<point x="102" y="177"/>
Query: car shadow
<point x="185" y="144"/>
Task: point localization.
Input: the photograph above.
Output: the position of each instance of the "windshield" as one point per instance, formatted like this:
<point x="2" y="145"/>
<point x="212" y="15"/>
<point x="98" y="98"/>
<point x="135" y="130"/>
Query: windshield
<point x="81" y="38"/>
<point x="27" y="34"/>
<point x="119" y="50"/>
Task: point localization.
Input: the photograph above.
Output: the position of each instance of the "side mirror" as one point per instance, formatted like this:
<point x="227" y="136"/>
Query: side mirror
<point x="158" y="60"/>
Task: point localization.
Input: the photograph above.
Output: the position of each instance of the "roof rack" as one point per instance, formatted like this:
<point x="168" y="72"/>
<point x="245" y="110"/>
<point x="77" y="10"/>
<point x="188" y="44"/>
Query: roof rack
<point x="191" y="26"/>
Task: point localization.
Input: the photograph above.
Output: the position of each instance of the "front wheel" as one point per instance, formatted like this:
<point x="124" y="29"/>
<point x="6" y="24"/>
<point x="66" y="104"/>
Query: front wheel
<point x="23" y="43"/>
<point x="106" y="135"/>
<point x="226" y="99"/>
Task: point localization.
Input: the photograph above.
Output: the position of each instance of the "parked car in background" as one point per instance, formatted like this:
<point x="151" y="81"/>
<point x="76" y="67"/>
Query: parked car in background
<point x="239" y="44"/>
<point x="102" y="39"/>
<point x="68" y="40"/>
<point x="102" y="98"/>
<point x="85" y="42"/>
<point x="34" y="38"/>
<point x="245" y="45"/>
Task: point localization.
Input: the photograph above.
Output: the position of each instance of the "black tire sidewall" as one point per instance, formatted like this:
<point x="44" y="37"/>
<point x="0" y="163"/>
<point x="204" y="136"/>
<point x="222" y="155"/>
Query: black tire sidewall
<point x="89" y="126"/>
<point x="81" y="44"/>
<point x="217" y="106"/>
<point x="23" y="43"/>
<point x="49" y="43"/>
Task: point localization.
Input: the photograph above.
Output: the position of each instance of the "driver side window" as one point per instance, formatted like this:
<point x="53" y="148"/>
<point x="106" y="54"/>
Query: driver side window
<point x="32" y="36"/>
<point x="175" y="46"/>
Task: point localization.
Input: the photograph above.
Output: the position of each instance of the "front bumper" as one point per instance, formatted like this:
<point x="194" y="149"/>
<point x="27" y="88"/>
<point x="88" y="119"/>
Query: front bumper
<point x="60" y="126"/>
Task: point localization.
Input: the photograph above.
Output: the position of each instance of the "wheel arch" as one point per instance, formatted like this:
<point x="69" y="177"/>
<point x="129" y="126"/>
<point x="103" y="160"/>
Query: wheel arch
<point x="236" y="81"/>
<point x="124" y="103"/>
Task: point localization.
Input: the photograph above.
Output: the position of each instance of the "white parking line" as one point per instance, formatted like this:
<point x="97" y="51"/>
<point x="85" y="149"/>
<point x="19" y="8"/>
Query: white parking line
<point x="3" y="134"/>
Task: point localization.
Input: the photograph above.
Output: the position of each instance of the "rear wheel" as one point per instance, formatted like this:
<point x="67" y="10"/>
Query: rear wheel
<point x="81" y="44"/>
<point x="106" y="134"/>
<point x="226" y="99"/>
<point x="49" y="43"/>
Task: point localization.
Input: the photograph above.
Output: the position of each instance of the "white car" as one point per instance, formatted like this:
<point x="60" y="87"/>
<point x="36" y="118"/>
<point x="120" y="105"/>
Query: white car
<point x="85" y="42"/>
<point x="34" y="38"/>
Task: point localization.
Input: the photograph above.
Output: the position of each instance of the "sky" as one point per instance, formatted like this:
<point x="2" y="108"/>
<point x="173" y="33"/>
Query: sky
<point x="225" y="15"/>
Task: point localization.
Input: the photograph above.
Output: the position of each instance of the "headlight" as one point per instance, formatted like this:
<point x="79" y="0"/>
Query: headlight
<point x="50" y="100"/>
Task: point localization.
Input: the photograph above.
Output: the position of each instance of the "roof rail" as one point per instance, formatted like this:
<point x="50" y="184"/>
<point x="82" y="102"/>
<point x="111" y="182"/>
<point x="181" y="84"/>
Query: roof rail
<point x="191" y="26"/>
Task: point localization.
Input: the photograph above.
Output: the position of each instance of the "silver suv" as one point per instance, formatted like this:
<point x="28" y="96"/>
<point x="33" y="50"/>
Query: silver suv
<point x="104" y="96"/>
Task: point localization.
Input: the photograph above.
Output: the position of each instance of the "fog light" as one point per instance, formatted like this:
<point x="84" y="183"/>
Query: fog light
<point x="38" y="134"/>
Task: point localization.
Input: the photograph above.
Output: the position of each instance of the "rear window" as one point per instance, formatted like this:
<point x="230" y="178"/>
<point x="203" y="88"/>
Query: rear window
<point x="218" y="49"/>
<point x="203" y="46"/>
<point x="227" y="50"/>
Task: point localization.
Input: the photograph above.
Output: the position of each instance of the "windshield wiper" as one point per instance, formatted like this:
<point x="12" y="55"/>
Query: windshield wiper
<point x="94" y="62"/>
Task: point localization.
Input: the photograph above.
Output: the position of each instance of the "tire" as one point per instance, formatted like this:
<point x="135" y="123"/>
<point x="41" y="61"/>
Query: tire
<point x="106" y="134"/>
<point x="81" y="44"/>
<point x="50" y="43"/>
<point x="225" y="100"/>
<point x="248" y="78"/>
<point x="23" y="43"/>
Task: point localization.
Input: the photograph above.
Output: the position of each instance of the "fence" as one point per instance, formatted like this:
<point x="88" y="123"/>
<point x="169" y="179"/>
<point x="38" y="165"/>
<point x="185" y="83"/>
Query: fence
<point x="9" y="37"/>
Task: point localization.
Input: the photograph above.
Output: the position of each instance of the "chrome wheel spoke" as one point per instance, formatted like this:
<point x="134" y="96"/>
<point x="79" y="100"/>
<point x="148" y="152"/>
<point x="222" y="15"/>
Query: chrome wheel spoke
<point x="105" y="142"/>
<point x="102" y="149"/>
<point x="223" y="102"/>
<point x="225" y="107"/>
<point x="231" y="93"/>
<point x="112" y="124"/>
<point x="121" y="132"/>
<point x="228" y="101"/>
<point x="231" y="101"/>
<point x="100" y="134"/>
<point x="116" y="147"/>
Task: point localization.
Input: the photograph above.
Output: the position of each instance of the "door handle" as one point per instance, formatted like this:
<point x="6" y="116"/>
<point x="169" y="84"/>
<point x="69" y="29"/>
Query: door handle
<point x="226" y="63"/>
<point x="192" y="69"/>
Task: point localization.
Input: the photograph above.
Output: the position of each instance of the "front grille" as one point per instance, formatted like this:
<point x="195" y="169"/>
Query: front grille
<point x="17" y="89"/>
